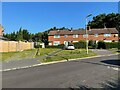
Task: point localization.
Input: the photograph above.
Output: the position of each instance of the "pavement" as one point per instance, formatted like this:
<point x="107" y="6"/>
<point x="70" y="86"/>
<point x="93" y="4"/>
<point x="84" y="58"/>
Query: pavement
<point x="98" y="72"/>
<point x="19" y="64"/>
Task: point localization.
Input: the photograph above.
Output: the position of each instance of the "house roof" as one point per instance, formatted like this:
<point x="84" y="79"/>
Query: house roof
<point x="92" y="31"/>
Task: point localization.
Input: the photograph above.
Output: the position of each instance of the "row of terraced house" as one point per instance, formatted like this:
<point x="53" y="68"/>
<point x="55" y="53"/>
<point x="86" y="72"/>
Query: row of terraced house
<point x="57" y="37"/>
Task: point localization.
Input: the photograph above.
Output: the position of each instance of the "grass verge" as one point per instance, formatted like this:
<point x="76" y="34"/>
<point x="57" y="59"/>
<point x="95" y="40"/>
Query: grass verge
<point x="69" y="54"/>
<point x="27" y="54"/>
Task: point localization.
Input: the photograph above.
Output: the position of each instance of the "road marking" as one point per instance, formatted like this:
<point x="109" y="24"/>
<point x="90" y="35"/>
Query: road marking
<point x="117" y="69"/>
<point x="114" y="68"/>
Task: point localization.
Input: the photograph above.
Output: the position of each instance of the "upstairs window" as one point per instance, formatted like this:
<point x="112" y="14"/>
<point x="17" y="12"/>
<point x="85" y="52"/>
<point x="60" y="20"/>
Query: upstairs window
<point x="65" y="36"/>
<point x="85" y="36"/>
<point x="75" y="36"/>
<point x="96" y="35"/>
<point x="107" y="35"/>
<point x="56" y="36"/>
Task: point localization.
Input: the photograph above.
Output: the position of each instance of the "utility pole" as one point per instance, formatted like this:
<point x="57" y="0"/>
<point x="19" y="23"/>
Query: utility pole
<point x="87" y="32"/>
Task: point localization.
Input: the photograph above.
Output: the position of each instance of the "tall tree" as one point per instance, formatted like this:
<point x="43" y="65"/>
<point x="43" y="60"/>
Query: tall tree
<point x="26" y="35"/>
<point x="19" y="35"/>
<point x="109" y="21"/>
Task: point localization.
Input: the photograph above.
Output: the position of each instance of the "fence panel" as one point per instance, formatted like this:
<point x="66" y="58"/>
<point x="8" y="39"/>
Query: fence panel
<point x="14" y="46"/>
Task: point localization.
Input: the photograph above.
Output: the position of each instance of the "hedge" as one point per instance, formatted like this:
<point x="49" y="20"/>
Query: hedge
<point x="108" y="45"/>
<point x="112" y="45"/>
<point x="101" y="45"/>
<point x="92" y="44"/>
<point x="80" y="44"/>
<point x="38" y="46"/>
<point x="58" y="46"/>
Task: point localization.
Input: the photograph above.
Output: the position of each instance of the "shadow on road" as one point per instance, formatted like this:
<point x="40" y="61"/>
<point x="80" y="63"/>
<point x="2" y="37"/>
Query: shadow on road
<point x="112" y="62"/>
<point x="107" y="85"/>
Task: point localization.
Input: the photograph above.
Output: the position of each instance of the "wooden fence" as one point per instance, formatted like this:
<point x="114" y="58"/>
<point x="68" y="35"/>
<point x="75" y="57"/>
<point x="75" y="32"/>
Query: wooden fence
<point x="14" y="46"/>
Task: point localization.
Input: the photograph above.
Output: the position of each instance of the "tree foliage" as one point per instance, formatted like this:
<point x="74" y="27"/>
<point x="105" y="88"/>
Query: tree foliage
<point x="111" y="20"/>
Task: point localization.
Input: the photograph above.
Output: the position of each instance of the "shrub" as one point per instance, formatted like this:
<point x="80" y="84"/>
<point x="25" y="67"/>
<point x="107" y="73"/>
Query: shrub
<point x="58" y="46"/>
<point x="101" y="45"/>
<point x="112" y="45"/>
<point x="80" y="44"/>
<point x="92" y="44"/>
<point x="38" y="46"/>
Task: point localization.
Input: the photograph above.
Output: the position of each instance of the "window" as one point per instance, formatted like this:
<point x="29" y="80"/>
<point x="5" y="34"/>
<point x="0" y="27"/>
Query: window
<point x="96" y="35"/>
<point x="75" y="41"/>
<point x="116" y="35"/>
<point x="85" y="35"/>
<point x="56" y="42"/>
<point x="107" y="35"/>
<point x="75" y="36"/>
<point x="56" y="36"/>
<point x="65" y="36"/>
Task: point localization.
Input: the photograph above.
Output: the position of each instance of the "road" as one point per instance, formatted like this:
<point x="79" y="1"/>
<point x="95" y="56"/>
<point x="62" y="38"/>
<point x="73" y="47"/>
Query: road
<point x="92" y="72"/>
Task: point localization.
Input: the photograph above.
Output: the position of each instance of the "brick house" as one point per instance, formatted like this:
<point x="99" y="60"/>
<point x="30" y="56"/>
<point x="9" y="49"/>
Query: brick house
<point x="57" y="37"/>
<point x="1" y="30"/>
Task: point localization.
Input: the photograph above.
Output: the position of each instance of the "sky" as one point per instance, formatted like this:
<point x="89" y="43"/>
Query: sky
<point x="41" y="16"/>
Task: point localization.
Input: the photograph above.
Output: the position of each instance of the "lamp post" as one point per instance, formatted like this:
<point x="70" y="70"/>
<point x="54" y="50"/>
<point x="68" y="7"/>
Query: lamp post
<point x="87" y="33"/>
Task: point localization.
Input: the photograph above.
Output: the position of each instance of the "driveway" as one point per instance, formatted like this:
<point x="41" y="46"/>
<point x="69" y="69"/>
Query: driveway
<point x="72" y="74"/>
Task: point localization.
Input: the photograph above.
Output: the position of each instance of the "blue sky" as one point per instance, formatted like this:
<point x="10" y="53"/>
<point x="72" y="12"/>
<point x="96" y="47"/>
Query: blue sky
<point x="40" y="16"/>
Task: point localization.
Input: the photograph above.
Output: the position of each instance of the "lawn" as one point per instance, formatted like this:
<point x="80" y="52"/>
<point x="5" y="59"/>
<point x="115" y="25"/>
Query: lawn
<point x="27" y="54"/>
<point x="69" y="54"/>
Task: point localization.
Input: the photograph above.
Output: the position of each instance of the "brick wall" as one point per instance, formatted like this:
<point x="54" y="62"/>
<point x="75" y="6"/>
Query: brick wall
<point x="80" y="37"/>
<point x="1" y="31"/>
<point x="14" y="46"/>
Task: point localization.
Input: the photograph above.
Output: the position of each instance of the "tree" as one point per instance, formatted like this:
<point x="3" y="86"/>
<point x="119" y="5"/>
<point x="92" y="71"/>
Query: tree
<point x="102" y="20"/>
<point x="19" y="35"/>
<point x="26" y="35"/>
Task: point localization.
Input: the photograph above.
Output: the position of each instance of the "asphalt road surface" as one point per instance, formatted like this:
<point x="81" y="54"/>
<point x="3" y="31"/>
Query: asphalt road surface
<point x="92" y="72"/>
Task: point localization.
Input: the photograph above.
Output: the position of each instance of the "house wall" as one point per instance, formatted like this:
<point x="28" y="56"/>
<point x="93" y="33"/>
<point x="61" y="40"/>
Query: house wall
<point x="1" y="31"/>
<point x="14" y="46"/>
<point x="80" y="37"/>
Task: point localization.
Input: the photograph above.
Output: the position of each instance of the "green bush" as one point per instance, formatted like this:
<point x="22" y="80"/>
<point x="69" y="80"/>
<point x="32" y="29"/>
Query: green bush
<point x="101" y="45"/>
<point x="58" y="46"/>
<point x="38" y="46"/>
<point x="80" y="44"/>
<point x="92" y="44"/>
<point x="112" y="45"/>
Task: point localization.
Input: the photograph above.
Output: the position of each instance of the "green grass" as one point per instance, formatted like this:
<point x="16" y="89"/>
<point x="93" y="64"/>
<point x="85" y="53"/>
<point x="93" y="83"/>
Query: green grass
<point x="46" y="51"/>
<point x="8" y="56"/>
<point x="27" y="54"/>
<point x="69" y="54"/>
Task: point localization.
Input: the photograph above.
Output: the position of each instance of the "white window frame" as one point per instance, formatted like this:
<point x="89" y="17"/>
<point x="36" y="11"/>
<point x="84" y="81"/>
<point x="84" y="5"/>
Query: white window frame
<point x="56" y="36"/>
<point x="75" y="41"/>
<point x="75" y="35"/>
<point x="107" y="40"/>
<point x="56" y="43"/>
<point x="107" y="35"/>
<point x="85" y="35"/>
<point x="65" y="36"/>
<point x="95" y="35"/>
<point x="116" y="35"/>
